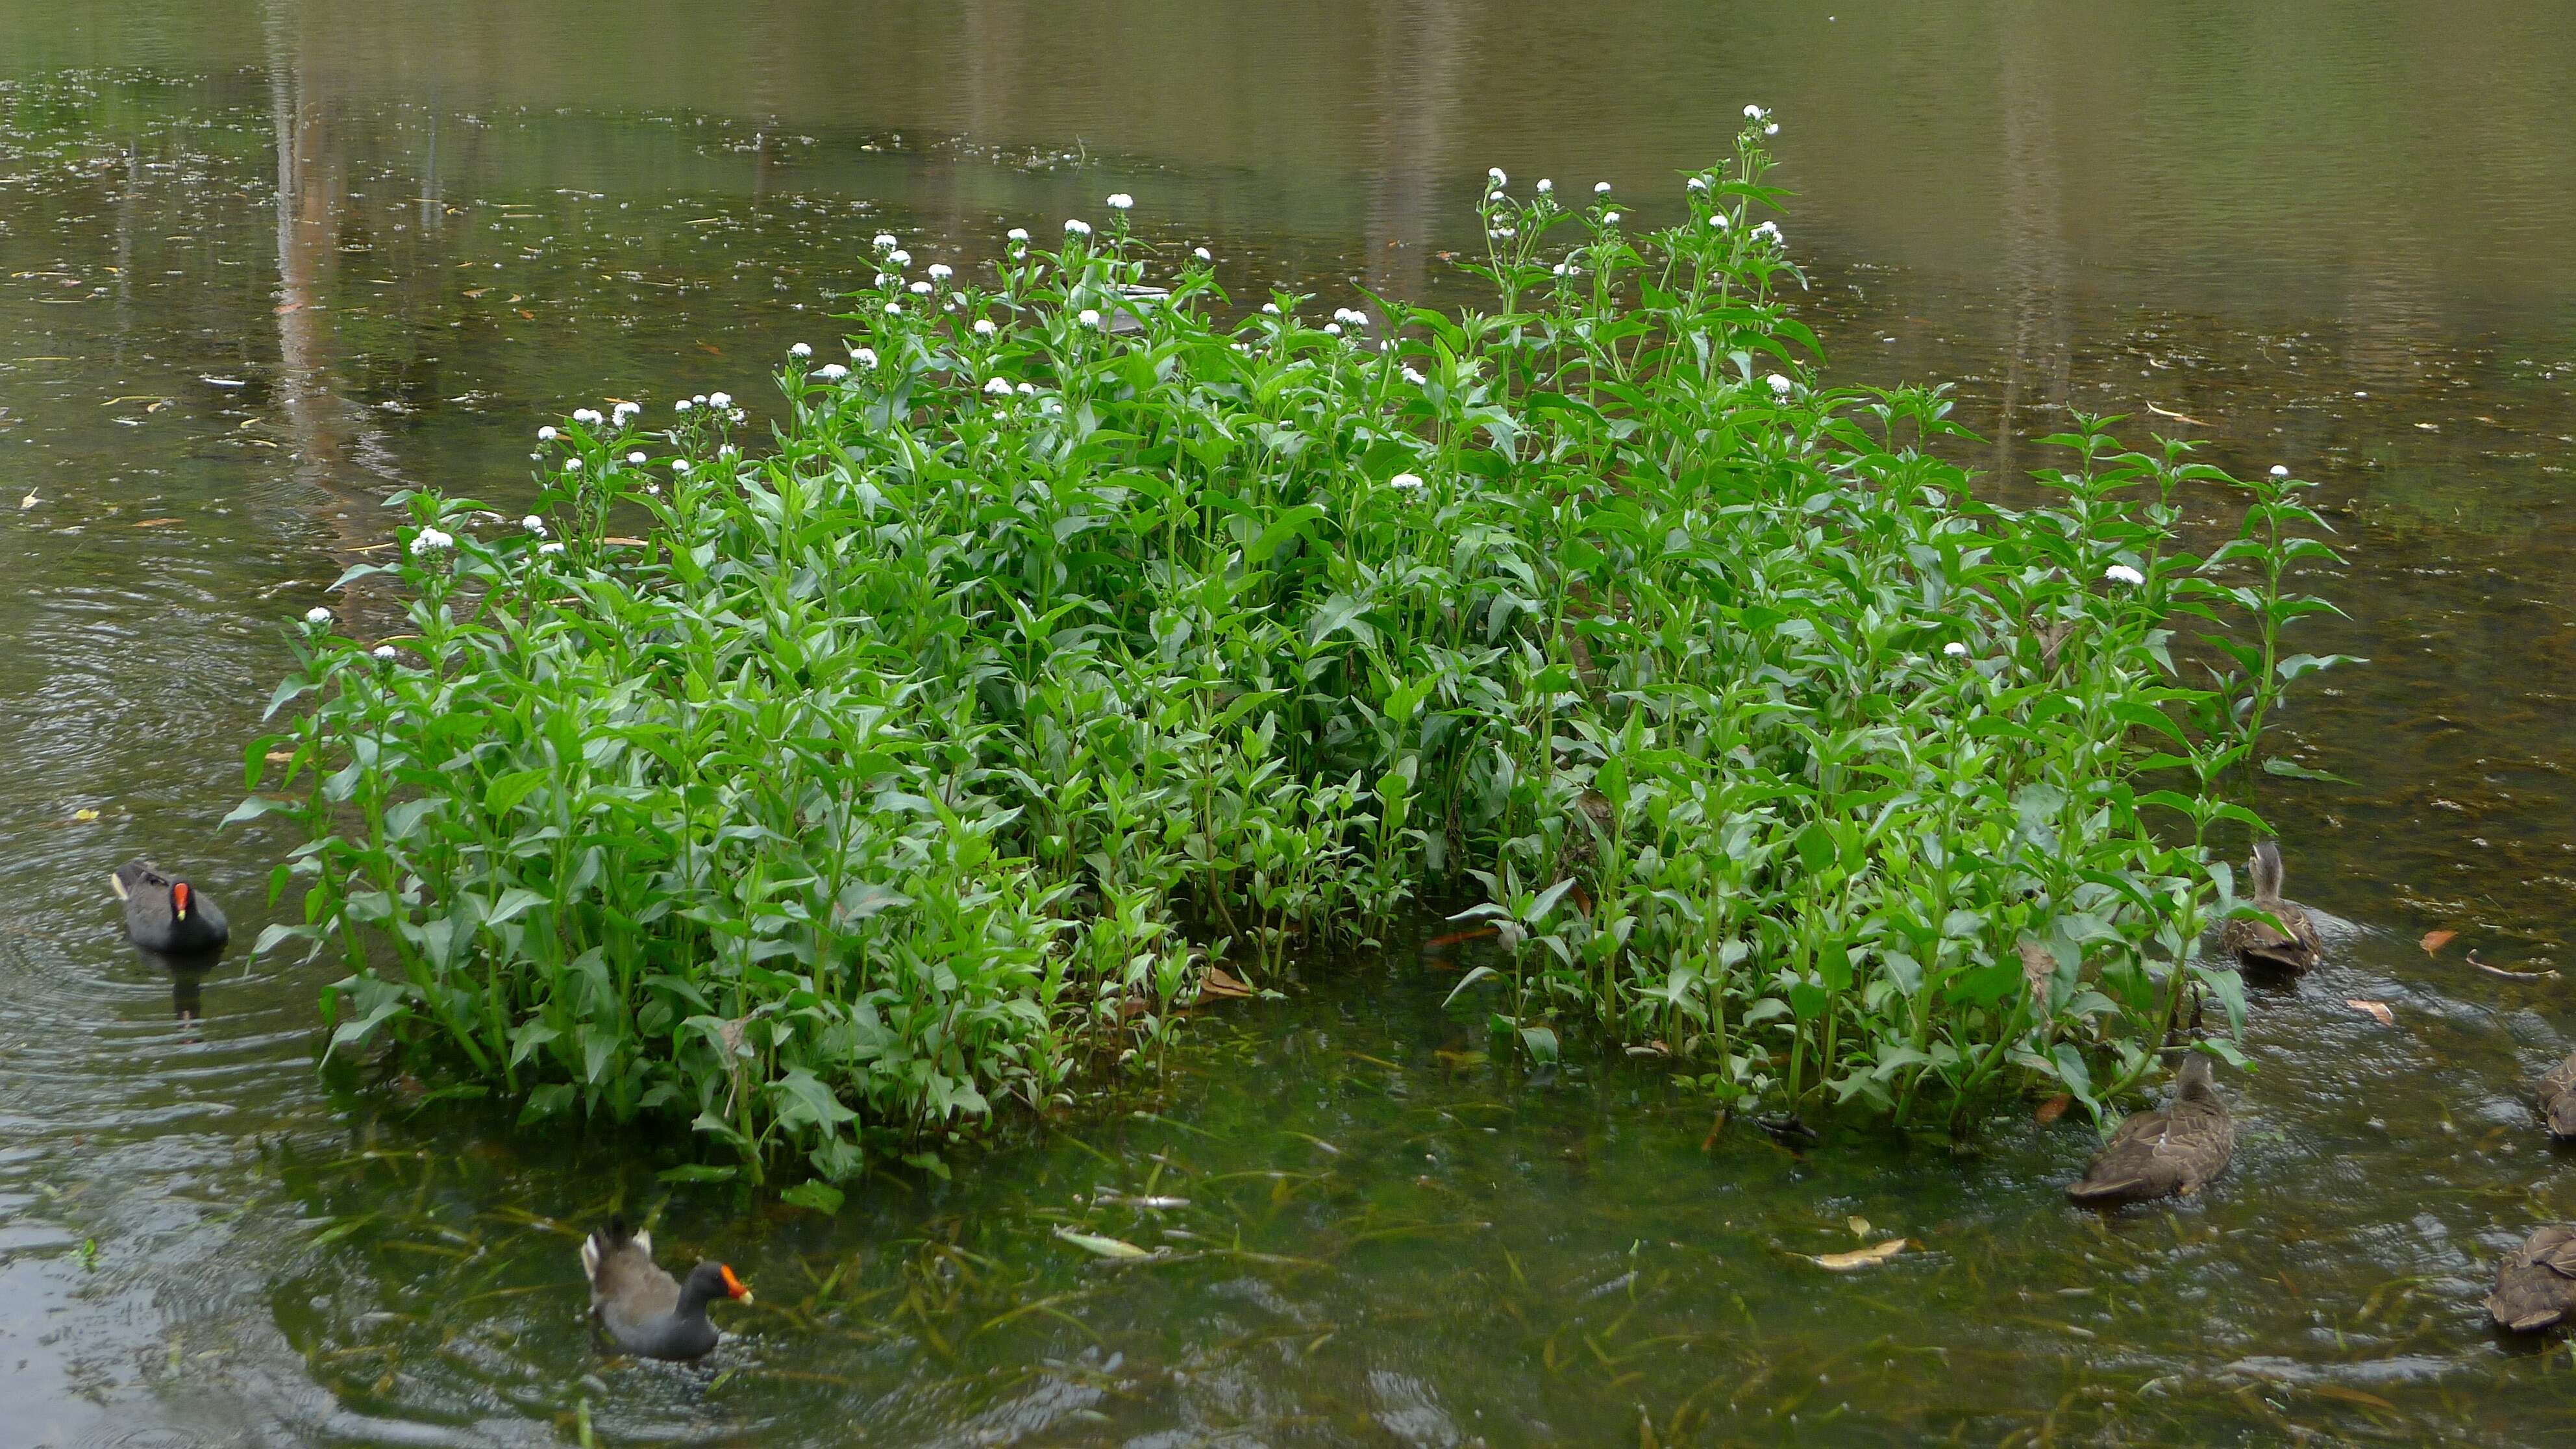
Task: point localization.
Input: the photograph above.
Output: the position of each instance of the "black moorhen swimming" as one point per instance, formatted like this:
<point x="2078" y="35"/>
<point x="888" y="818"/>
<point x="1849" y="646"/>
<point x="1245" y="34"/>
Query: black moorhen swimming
<point x="168" y="916"/>
<point x="2159" y="1154"/>
<point x="640" y="1307"/>
<point x="2536" y="1283"/>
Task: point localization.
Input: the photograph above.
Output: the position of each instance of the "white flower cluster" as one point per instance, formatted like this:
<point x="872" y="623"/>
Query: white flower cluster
<point x="1120" y="201"/>
<point x="1409" y="482"/>
<point x="1077" y="227"/>
<point x="1350" y="316"/>
<point x="317" y="616"/>
<point x="588" y="417"/>
<point x="2123" y="574"/>
<point x="429" y="541"/>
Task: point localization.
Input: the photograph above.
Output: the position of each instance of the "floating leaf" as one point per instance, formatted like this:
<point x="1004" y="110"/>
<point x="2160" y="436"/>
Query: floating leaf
<point x="155" y="522"/>
<point x="817" y="1194"/>
<point x="1219" y="982"/>
<point x="84" y="816"/>
<point x="1859" y="1258"/>
<point x="1100" y="1247"/>
<point x="27" y="502"/>
<point x="697" y="1172"/>
<point x="2434" y="941"/>
<point x="2055" y="1107"/>
<point x="2374" y="1008"/>
<point x="1859" y="1226"/>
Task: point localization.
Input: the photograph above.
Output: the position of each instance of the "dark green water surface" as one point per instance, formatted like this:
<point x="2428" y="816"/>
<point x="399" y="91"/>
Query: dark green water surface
<point x="262" y="264"/>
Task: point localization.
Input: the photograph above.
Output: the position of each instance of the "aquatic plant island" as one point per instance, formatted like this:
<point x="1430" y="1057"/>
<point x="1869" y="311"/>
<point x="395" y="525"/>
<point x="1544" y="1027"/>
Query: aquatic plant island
<point x="1085" y="642"/>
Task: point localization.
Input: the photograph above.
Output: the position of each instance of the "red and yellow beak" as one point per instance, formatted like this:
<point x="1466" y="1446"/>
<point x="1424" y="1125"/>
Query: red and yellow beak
<point x="179" y="900"/>
<point x="734" y="1287"/>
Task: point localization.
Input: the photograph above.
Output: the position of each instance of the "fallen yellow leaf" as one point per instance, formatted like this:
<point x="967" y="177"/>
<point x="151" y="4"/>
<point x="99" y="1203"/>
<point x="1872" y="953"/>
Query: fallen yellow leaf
<point x="84" y="816"/>
<point x="1219" y="982"/>
<point x="2386" y="1017"/>
<point x="155" y="522"/>
<point x="27" y="502"/>
<point x="2436" y="940"/>
<point x="2054" y="1108"/>
<point x="1859" y="1226"/>
<point x="1859" y="1258"/>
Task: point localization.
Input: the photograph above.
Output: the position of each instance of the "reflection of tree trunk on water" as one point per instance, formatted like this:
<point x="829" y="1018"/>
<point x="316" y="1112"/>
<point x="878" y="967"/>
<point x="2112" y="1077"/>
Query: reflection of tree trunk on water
<point x="2034" y="235"/>
<point x="1419" y="56"/>
<point x="332" y="439"/>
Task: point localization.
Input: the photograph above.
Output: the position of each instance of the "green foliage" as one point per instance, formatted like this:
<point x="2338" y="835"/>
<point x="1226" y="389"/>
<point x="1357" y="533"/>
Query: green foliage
<point x="892" y="771"/>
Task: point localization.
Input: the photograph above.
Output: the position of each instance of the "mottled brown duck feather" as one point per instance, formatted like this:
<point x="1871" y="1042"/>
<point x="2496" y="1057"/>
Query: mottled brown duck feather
<point x="2163" y="1153"/>
<point x="2293" y="946"/>
<point x="2536" y="1283"/>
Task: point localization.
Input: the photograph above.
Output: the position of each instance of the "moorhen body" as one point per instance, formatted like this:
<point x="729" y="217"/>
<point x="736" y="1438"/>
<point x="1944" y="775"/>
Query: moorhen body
<point x="2536" y="1283"/>
<point x="644" y="1310"/>
<point x="166" y="915"/>
<point x="2160" y="1154"/>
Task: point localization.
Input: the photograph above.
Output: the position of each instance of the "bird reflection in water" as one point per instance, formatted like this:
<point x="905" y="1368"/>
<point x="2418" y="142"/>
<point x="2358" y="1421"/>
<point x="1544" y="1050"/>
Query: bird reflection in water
<point x="187" y="980"/>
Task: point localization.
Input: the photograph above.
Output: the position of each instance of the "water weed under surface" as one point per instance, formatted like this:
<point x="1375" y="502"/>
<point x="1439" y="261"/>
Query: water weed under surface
<point x="1065" y="639"/>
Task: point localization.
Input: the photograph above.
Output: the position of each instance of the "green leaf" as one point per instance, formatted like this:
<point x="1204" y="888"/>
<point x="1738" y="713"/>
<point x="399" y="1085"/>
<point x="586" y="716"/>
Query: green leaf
<point x="2293" y="770"/>
<point x="1541" y="1043"/>
<point x="699" y="1172"/>
<point x="817" y="1195"/>
<point x="1100" y="1247"/>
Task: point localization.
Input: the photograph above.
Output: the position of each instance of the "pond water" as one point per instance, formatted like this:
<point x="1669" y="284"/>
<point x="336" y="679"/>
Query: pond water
<point x="262" y="263"/>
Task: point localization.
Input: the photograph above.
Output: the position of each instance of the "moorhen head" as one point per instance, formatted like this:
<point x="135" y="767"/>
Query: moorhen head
<point x="166" y="915"/>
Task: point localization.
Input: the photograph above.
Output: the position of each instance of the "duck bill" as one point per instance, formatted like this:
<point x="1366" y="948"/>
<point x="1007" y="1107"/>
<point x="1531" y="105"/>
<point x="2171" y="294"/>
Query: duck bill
<point x="735" y="1288"/>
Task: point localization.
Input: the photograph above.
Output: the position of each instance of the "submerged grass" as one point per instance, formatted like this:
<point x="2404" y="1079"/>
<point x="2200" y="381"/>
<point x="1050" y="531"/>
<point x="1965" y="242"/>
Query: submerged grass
<point x="1065" y="639"/>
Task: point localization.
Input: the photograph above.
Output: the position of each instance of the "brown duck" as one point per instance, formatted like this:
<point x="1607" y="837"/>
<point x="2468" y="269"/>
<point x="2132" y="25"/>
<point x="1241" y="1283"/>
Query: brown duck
<point x="643" y="1309"/>
<point x="2294" y="947"/>
<point x="2158" y="1154"/>
<point x="2556" y="1095"/>
<point x="2536" y="1283"/>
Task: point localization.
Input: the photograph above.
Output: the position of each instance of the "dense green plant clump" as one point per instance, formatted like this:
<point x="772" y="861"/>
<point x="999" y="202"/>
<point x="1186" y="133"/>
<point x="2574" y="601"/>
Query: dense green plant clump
<point x="1044" y="658"/>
